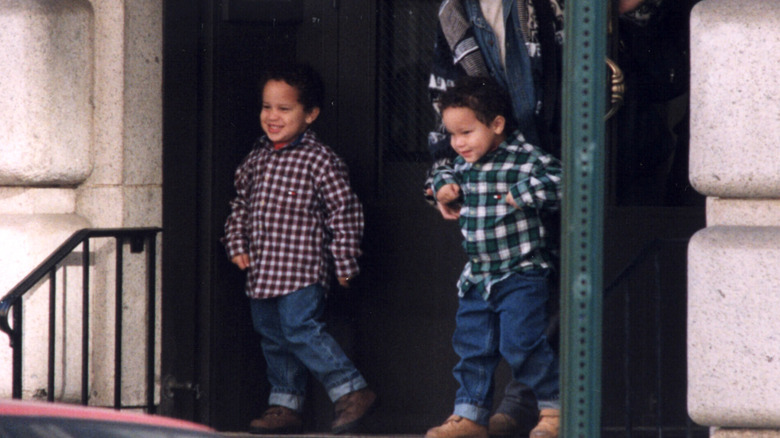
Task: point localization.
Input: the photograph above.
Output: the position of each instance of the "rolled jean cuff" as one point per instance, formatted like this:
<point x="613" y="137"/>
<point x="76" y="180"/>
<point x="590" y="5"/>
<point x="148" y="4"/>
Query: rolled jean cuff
<point x="549" y="404"/>
<point x="291" y="401"/>
<point x="343" y="389"/>
<point x="474" y="413"/>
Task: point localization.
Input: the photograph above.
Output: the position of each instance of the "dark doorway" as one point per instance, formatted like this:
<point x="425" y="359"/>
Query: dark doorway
<point x="214" y="53"/>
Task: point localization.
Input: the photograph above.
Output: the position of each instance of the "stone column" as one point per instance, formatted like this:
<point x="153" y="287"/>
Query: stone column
<point x="46" y="114"/>
<point x="734" y="263"/>
<point x="125" y="187"/>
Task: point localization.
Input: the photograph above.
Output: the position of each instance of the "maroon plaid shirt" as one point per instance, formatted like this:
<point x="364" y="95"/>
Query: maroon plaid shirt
<point x="295" y="215"/>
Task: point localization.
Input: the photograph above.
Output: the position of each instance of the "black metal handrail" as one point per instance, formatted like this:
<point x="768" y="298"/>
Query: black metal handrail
<point x="139" y="239"/>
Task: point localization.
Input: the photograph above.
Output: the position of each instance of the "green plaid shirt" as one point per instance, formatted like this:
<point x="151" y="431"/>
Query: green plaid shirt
<point x="498" y="238"/>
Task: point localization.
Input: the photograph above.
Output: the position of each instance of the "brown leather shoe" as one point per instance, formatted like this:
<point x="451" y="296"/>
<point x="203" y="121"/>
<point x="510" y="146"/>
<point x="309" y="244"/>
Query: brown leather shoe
<point x="549" y="420"/>
<point x="351" y="409"/>
<point x="277" y="420"/>
<point x="458" y="427"/>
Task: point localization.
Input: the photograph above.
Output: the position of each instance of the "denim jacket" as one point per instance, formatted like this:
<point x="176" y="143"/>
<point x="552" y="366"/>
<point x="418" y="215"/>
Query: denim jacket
<point x="519" y="82"/>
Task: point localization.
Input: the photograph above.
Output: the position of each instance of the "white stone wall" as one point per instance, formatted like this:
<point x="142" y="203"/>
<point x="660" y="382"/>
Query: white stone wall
<point x="45" y="92"/>
<point x="734" y="263"/>
<point x="80" y="146"/>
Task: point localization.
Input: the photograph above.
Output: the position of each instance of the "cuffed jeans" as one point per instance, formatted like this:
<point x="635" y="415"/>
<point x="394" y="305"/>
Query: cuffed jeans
<point x="511" y="323"/>
<point x="294" y="341"/>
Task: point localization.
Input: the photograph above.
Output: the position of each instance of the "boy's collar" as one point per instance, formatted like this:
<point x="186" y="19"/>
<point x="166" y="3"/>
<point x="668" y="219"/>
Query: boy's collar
<point x="515" y="138"/>
<point x="289" y="145"/>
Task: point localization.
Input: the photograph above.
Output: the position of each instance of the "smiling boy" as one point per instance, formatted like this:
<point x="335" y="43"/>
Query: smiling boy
<point x="498" y="187"/>
<point x="294" y="219"/>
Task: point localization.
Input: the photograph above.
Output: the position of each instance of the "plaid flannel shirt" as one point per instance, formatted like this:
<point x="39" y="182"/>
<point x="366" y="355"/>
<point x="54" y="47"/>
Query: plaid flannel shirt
<point x="498" y="238"/>
<point x="295" y="215"/>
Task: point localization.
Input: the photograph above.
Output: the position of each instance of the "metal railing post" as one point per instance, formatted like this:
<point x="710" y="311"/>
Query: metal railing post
<point x="16" y="344"/>
<point x="85" y="323"/>
<point x="52" y="333"/>
<point x="118" y="324"/>
<point x="584" y="101"/>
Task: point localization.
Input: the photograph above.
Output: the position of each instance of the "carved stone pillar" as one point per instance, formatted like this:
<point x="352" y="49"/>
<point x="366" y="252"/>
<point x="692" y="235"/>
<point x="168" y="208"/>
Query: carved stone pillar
<point x="734" y="263"/>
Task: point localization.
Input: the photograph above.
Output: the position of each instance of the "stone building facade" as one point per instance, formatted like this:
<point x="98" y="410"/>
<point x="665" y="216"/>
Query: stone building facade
<point x="80" y="147"/>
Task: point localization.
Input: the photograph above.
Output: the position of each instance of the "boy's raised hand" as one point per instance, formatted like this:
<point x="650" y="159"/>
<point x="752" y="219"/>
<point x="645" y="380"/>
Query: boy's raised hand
<point x="241" y="260"/>
<point x="447" y="201"/>
<point x="448" y="194"/>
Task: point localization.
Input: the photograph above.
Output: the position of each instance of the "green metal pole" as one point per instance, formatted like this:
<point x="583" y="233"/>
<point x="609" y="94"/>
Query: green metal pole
<point x="584" y="102"/>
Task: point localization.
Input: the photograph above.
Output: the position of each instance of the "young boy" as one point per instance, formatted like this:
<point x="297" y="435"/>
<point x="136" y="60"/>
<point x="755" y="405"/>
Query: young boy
<point x="294" y="216"/>
<point x="497" y="187"/>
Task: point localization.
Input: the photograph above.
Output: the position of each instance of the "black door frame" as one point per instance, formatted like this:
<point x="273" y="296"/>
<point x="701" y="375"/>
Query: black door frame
<point x="182" y="340"/>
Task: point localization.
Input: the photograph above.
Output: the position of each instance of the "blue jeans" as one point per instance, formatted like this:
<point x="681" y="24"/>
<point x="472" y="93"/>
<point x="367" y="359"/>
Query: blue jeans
<point x="510" y="323"/>
<point x="294" y="341"/>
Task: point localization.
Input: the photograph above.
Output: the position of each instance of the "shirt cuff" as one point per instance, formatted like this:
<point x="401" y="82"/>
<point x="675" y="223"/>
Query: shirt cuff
<point x="440" y="181"/>
<point x="347" y="268"/>
<point x="236" y="247"/>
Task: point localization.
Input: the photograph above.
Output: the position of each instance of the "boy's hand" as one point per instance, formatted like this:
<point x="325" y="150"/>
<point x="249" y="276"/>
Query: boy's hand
<point x="449" y="211"/>
<point x="241" y="260"/>
<point x="344" y="281"/>
<point x="511" y="200"/>
<point x="628" y="5"/>
<point x="448" y="194"/>
<point x="447" y="201"/>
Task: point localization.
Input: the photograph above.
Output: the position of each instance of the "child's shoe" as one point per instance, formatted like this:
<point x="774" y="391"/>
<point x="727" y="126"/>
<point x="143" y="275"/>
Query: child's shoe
<point x="549" y="420"/>
<point x="277" y="420"/>
<point x="458" y="427"/>
<point x="351" y="409"/>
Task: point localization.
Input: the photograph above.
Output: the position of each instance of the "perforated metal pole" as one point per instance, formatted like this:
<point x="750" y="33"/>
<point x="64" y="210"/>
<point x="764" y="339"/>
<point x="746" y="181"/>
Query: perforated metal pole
<point x="584" y="85"/>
